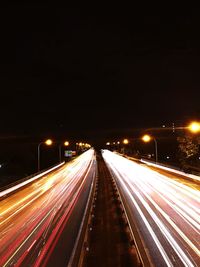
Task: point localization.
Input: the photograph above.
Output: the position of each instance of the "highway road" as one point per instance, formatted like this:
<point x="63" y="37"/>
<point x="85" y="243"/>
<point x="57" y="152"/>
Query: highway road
<point x="39" y="223"/>
<point x="163" y="212"/>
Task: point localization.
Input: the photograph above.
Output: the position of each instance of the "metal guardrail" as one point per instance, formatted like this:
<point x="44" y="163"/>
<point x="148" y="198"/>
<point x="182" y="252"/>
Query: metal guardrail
<point x="195" y="178"/>
<point x="160" y="164"/>
<point x="131" y="234"/>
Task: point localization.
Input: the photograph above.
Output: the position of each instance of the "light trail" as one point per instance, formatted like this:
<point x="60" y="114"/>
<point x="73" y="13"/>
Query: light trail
<point x="30" y="218"/>
<point x="188" y="175"/>
<point x="166" y="212"/>
<point x="14" y="188"/>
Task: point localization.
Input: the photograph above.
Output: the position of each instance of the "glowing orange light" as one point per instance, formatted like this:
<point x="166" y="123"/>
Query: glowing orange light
<point x="146" y="138"/>
<point x="48" y="142"/>
<point x="194" y="127"/>
<point x="66" y="143"/>
<point x="125" y="141"/>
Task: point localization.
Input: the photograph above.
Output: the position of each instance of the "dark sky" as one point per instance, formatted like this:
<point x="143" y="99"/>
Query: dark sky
<point x="86" y="73"/>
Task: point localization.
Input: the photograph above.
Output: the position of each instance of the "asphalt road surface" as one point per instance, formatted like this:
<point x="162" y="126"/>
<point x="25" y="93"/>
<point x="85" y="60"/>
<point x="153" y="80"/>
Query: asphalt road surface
<point x="40" y="222"/>
<point x="165" y="211"/>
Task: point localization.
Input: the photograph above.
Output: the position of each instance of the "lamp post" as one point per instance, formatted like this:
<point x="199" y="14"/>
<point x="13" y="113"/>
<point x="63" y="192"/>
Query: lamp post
<point x="193" y="127"/>
<point x="125" y="142"/>
<point x="147" y="138"/>
<point x="66" y="143"/>
<point x="77" y="148"/>
<point x="118" y="146"/>
<point x="48" y="142"/>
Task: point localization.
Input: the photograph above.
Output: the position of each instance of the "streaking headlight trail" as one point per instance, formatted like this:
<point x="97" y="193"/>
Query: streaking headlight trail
<point x="165" y="211"/>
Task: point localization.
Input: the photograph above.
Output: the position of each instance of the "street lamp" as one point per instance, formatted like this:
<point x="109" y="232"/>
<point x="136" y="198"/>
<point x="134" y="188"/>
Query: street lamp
<point x="66" y="143"/>
<point x="87" y="145"/>
<point x="48" y="142"/>
<point x="125" y="141"/>
<point x="147" y="138"/>
<point x="194" y="127"/>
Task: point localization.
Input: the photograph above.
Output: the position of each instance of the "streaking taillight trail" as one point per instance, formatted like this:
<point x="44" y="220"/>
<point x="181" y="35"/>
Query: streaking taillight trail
<point x="33" y="218"/>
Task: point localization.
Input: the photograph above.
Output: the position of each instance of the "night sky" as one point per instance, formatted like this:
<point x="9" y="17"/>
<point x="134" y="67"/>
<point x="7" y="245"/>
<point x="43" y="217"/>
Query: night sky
<point x="90" y="73"/>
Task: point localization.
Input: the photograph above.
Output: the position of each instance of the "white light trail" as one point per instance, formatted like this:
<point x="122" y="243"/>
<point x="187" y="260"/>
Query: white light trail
<point x="191" y="176"/>
<point x="14" y="188"/>
<point x="170" y="206"/>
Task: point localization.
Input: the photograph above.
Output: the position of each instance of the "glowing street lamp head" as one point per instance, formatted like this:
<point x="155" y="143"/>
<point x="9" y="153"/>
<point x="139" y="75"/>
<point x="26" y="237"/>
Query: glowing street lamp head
<point x="66" y="143"/>
<point x="48" y="142"/>
<point x="108" y="143"/>
<point x="146" y="138"/>
<point x="88" y="145"/>
<point x="194" y="127"/>
<point x="125" y="141"/>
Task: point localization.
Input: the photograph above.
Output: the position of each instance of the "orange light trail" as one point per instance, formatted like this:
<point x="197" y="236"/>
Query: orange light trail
<point x="32" y="218"/>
